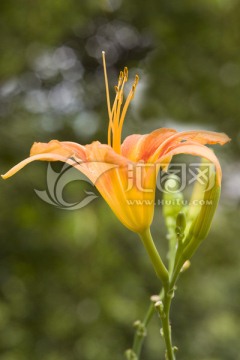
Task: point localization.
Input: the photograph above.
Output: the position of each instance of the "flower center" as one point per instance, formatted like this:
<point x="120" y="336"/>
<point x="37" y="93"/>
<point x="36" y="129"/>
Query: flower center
<point x="118" y="111"/>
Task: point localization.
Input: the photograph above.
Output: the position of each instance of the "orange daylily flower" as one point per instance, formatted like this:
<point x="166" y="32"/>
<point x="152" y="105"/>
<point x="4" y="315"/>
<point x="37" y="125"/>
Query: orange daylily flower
<point x="125" y="174"/>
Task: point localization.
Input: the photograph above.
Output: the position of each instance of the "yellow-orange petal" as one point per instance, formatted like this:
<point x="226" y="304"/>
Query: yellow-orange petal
<point x="64" y="148"/>
<point x="133" y="207"/>
<point x="198" y="136"/>
<point x="142" y="147"/>
<point x="52" y="151"/>
<point x="78" y="149"/>
<point x="41" y="157"/>
<point x="195" y="149"/>
<point x="104" y="153"/>
<point x="203" y="137"/>
<point x="128" y="199"/>
<point x="130" y="146"/>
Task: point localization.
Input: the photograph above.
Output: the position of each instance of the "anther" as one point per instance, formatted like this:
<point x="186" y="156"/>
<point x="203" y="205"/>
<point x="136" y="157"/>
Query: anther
<point x="120" y="78"/>
<point x="133" y="90"/>
<point x="125" y="73"/>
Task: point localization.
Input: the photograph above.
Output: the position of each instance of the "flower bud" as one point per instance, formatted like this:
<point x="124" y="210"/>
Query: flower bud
<point x="181" y="222"/>
<point x="130" y="355"/>
<point x="185" y="266"/>
<point x="201" y="225"/>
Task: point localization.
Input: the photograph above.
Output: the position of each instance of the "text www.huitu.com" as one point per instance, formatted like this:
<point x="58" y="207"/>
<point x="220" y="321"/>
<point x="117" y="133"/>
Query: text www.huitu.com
<point x="177" y="202"/>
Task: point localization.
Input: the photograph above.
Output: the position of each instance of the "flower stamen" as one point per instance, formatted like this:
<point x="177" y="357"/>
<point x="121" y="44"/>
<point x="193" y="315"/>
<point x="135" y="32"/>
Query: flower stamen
<point x="129" y="99"/>
<point x="116" y="117"/>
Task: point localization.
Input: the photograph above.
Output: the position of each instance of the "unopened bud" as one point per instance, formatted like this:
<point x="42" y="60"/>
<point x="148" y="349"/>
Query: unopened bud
<point x="201" y="225"/>
<point x="130" y="355"/>
<point x="155" y="298"/>
<point x="136" y="323"/>
<point x="159" y="305"/>
<point x="141" y="328"/>
<point x="181" y="222"/>
<point x="185" y="266"/>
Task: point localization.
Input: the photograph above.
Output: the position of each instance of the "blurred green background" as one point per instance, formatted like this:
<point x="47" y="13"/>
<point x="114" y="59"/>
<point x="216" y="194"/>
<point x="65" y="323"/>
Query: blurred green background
<point x="73" y="282"/>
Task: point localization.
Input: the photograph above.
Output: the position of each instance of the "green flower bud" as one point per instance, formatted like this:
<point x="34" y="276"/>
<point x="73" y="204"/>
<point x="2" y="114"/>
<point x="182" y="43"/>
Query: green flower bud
<point x="201" y="225"/>
<point x="181" y="222"/>
<point x="130" y="355"/>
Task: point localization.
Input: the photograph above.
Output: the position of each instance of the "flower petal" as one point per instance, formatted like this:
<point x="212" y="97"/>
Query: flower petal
<point x="141" y="147"/>
<point x="198" y="136"/>
<point x="64" y="148"/>
<point x="104" y="153"/>
<point x="195" y="149"/>
<point x="130" y="145"/>
<point x="131" y="200"/>
<point x="52" y="151"/>
<point x="203" y="137"/>
<point x="42" y="157"/>
<point x="133" y="205"/>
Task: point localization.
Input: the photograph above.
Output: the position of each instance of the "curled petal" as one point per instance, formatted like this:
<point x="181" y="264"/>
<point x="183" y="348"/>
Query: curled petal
<point x="198" y="136"/>
<point x="196" y="150"/>
<point x="202" y="137"/>
<point x="42" y="157"/>
<point x="52" y="151"/>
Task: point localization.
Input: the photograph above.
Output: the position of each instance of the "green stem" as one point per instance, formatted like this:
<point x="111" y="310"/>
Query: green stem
<point x="172" y="247"/>
<point x="163" y="274"/>
<point x="155" y="258"/>
<point x="139" y="335"/>
<point x="164" y="314"/>
<point x="190" y="247"/>
<point x="163" y="304"/>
